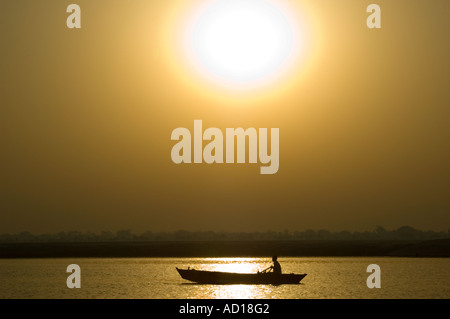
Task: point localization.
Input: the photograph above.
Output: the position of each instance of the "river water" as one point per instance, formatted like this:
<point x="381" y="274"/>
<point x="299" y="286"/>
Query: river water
<point x="157" y="278"/>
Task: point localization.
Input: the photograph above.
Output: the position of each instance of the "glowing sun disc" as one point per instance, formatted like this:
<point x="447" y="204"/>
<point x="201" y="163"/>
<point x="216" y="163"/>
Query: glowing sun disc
<point x="241" y="41"/>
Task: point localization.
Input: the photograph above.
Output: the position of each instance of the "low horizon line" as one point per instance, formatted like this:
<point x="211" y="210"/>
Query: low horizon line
<point x="379" y="233"/>
<point x="377" y="227"/>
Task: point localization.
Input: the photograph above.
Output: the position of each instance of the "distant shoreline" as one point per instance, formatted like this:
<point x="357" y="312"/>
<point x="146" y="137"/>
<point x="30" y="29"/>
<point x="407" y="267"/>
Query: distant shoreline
<point x="235" y="248"/>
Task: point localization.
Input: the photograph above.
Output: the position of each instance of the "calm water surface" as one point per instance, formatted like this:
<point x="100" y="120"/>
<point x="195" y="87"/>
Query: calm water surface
<point x="157" y="278"/>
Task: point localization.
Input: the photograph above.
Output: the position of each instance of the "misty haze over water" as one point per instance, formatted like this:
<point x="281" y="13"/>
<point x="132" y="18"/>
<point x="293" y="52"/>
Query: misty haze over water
<point x="380" y="233"/>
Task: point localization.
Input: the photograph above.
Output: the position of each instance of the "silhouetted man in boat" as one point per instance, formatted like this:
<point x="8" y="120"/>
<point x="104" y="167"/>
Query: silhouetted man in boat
<point x="276" y="268"/>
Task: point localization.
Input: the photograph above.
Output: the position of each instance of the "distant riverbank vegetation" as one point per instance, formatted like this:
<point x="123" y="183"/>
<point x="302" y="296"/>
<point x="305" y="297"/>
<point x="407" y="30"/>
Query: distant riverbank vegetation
<point x="379" y="233"/>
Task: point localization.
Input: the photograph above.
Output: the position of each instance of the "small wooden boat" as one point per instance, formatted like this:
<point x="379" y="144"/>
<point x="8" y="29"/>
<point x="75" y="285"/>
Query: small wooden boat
<point x="259" y="278"/>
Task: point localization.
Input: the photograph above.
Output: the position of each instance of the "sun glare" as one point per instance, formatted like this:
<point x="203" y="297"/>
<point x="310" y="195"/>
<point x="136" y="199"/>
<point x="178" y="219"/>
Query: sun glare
<point x="241" y="43"/>
<point x="238" y="265"/>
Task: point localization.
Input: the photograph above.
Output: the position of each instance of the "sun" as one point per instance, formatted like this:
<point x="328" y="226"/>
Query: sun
<point x="241" y="43"/>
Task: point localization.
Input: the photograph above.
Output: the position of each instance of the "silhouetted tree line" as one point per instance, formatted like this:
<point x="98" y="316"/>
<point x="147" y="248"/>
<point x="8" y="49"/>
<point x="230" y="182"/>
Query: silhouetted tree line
<point x="380" y="233"/>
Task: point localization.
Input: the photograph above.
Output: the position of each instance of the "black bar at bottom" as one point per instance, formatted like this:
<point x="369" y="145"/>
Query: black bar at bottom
<point x="208" y="308"/>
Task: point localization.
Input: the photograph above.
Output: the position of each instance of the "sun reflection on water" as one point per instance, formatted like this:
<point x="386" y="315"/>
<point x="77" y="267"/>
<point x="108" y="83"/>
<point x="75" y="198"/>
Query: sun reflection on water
<point x="236" y="265"/>
<point x="240" y="291"/>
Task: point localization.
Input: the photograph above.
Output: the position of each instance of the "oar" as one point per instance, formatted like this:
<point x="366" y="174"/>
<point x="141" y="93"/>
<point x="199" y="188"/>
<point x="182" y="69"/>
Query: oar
<point x="266" y="269"/>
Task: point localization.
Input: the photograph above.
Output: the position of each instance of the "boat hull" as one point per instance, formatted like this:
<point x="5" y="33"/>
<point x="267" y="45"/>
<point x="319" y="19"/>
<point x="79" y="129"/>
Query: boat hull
<point x="222" y="278"/>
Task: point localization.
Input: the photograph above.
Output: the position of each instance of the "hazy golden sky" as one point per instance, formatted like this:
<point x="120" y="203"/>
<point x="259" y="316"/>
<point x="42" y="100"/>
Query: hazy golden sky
<point x="86" y="117"/>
